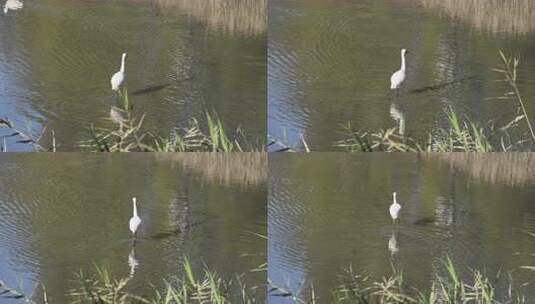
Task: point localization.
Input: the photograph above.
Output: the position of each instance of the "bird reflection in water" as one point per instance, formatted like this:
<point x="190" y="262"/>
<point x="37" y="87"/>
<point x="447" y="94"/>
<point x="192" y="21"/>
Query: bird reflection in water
<point x="393" y="244"/>
<point x="133" y="263"/>
<point x="399" y="117"/>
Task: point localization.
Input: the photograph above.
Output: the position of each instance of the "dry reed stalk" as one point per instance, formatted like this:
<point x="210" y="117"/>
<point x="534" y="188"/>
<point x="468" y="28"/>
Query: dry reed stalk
<point x="246" y="17"/>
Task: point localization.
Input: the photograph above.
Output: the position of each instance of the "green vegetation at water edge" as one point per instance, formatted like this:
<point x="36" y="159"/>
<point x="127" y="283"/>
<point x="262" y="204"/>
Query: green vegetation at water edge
<point x="128" y="135"/>
<point x="447" y="286"/>
<point x="205" y="286"/>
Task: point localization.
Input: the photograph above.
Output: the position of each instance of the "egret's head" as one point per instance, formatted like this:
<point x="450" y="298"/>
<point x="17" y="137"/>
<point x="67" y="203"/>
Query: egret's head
<point x="404" y="51"/>
<point x="394" y="194"/>
<point x="124" y="56"/>
<point x="134" y="199"/>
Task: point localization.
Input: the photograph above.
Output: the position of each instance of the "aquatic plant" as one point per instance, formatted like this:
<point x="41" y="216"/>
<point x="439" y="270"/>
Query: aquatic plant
<point x="283" y="145"/>
<point x="101" y="288"/>
<point x="128" y="135"/>
<point x="25" y="137"/>
<point x="446" y="287"/>
<point x="203" y="287"/>
<point x="8" y="292"/>
<point x="509" y="73"/>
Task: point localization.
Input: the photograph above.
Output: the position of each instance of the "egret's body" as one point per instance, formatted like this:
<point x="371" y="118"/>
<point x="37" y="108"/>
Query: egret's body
<point x="399" y="76"/>
<point x="394" y="208"/>
<point x="12" y="5"/>
<point x="118" y="78"/>
<point x="135" y="220"/>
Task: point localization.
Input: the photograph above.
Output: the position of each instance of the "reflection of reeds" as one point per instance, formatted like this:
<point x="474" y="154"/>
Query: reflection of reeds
<point x="246" y="17"/>
<point x="515" y="169"/>
<point x="495" y="16"/>
<point x="238" y="168"/>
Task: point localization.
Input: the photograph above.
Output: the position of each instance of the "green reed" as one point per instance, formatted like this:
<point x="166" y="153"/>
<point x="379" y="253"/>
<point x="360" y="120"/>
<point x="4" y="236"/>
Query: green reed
<point x="128" y="134"/>
<point x="205" y="286"/>
<point x="447" y="286"/>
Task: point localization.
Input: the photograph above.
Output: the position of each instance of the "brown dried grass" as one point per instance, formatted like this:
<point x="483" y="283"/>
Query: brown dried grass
<point x="494" y="16"/>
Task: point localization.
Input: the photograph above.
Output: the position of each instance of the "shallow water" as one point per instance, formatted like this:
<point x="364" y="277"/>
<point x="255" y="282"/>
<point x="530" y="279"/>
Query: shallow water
<point x="329" y="211"/>
<point x="61" y="214"/>
<point x="57" y="57"/>
<point x="329" y="63"/>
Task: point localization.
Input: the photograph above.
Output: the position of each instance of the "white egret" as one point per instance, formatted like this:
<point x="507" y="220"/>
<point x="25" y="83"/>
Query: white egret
<point x="12" y="5"/>
<point x="399" y="76"/>
<point x="135" y="221"/>
<point x="118" y="78"/>
<point x="394" y="208"/>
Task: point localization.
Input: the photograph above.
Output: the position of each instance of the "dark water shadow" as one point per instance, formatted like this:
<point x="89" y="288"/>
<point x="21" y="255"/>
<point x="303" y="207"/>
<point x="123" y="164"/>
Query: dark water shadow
<point x="441" y="85"/>
<point x="173" y="232"/>
<point x="157" y="87"/>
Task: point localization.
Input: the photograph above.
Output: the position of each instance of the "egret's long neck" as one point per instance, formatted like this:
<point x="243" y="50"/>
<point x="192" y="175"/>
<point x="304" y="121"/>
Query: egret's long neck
<point x="395" y="200"/>
<point x="135" y="209"/>
<point x="122" y="64"/>
<point x="402" y="63"/>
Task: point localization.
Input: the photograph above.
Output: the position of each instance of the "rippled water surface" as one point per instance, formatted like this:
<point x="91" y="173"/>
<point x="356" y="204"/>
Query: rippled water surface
<point x="329" y="63"/>
<point x="63" y="214"/>
<point x="57" y="57"/>
<point x="329" y="211"/>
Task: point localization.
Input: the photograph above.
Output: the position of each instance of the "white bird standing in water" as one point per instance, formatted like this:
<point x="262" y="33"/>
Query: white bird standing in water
<point x="135" y="221"/>
<point x="118" y="78"/>
<point x="399" y="76"/>
<point x="12" y="5"/>
<point x="394" y="208"/>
